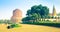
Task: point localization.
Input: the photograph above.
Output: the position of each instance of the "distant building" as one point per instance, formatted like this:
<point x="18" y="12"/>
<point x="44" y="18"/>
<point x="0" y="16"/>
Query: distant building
<point x="54" y="12"/>
<point x="54" y="15"/>
<point x="17" y="16"/>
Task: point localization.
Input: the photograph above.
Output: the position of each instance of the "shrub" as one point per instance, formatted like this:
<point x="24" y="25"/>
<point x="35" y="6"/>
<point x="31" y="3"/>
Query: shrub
<point x="15" y="25"/>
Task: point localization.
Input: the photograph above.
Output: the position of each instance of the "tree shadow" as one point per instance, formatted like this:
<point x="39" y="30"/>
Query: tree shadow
<point x="57" y="25"/>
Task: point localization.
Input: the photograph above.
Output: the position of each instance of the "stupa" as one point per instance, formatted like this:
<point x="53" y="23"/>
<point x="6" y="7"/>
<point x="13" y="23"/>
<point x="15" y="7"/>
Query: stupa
<point x="17" y="16"/>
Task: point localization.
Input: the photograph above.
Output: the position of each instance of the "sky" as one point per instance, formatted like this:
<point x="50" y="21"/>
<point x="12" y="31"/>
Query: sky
<point x="7" y="6"/>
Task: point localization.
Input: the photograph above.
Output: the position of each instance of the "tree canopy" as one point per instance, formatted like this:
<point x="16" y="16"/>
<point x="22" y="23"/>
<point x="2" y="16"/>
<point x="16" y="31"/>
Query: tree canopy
<point x="36" y="13"/>
<point x="42" y="11"/>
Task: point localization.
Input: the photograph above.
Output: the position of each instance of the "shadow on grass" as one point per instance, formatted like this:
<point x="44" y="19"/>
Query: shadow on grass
<point x="57" y="25"/>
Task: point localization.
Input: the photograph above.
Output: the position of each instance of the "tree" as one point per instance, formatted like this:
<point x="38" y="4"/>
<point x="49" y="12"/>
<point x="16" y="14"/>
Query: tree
<point x="42" y="10"/>
<point x="58" y="14"/>
<point x="37" y="12"/>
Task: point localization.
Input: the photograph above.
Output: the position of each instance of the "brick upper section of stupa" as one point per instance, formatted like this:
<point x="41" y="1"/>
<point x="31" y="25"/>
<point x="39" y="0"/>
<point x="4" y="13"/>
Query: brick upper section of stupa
<point x="17" y="15"/>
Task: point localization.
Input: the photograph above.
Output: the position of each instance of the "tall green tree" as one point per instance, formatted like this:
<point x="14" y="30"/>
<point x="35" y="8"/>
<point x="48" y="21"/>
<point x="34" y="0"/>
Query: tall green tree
<point x="42" y="10"/>
<point x="37" y="12"/>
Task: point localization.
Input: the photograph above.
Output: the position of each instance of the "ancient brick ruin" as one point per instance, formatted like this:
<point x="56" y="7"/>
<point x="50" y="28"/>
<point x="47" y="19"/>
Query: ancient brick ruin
<point x="17" y="16"/>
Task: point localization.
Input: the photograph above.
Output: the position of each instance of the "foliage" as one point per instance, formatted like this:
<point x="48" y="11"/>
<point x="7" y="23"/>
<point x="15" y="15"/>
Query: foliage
<point x="58" y="14"/>
<point x="13" y="26"/>
<point x="36" y="13"/>
<point x="40" y="10"/>
<point x="46" y="23"/>
<point x="5" y="22"/>
<point x="1" y="21"/>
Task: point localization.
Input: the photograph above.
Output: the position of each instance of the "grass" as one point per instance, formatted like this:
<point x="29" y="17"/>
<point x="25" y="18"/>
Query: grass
<point x="46" y="23"/>
<point x="15" y="25"/>
<point x="29" y="28"/>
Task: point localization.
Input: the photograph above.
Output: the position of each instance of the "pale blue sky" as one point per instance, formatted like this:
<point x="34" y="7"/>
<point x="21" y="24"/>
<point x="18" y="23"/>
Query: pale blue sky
<point x="7" y="6"/>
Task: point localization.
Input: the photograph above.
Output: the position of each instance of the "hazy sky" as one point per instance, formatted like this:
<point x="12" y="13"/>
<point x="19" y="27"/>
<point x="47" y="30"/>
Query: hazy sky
<point x="7" y="6"/>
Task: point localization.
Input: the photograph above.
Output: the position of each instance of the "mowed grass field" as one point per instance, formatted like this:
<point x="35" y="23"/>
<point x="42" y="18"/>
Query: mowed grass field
<point x="29" y="28"/>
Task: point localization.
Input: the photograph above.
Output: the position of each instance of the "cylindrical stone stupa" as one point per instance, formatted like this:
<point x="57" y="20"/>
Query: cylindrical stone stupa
<point x="17" y="16"/>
